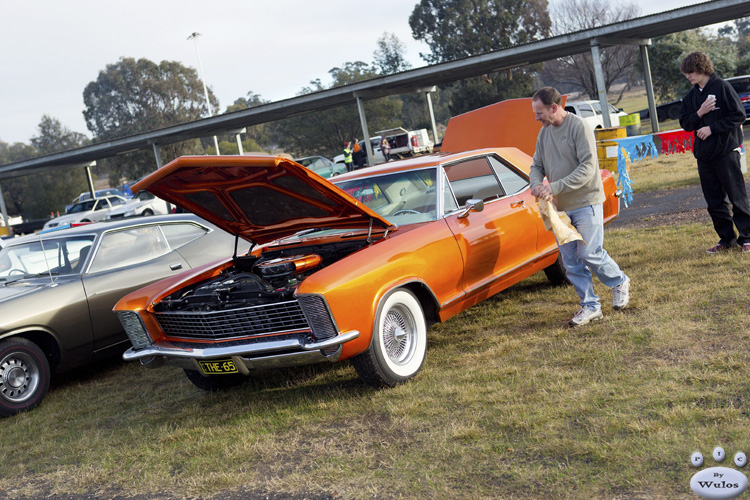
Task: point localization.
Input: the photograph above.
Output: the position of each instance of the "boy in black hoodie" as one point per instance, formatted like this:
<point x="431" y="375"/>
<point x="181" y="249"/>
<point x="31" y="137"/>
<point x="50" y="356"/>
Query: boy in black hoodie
<point x="714" y="112"/>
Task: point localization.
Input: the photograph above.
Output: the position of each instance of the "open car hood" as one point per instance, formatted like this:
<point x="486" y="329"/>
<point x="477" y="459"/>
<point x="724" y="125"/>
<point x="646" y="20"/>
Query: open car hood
<point x="259" y="198"/>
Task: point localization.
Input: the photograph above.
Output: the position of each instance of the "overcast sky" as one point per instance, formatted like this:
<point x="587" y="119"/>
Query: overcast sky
<point x="51" y="49"/>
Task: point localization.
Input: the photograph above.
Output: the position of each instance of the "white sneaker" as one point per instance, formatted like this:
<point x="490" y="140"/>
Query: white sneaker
<point x="621" y="295"/>
<point x="585" y="315"/>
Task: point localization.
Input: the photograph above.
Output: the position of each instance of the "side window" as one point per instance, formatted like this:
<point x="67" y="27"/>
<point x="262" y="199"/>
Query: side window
<point x="586" y="110"/>
<point x="511" y="180"/>
<point x="473" y="179"/>
<point x="100" y="204"/>
<point x="181" y="234"/>
<point x="129" y="247"/>
<point x="571" y="109"/>
<point x="115" y="201"/>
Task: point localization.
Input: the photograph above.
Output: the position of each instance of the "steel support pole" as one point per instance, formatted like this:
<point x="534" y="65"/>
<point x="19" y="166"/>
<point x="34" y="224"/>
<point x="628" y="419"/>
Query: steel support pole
<point x="432" y="118"/>
<point x="601" y="89"/>
<point x="239" y="145"/>
<point x="363" y="120"/>
<point x="157" y="155"/>
<point x="90" y="180"/>
<point x="649" y="90"/>
<point x="4" y="211"/>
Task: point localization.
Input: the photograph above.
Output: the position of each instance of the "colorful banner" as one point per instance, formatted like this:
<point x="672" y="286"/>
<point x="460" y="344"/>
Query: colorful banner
<point x="629" y="150"/>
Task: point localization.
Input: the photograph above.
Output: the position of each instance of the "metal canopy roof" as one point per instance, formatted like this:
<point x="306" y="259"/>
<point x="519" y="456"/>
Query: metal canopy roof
<point x="638" y="30"/>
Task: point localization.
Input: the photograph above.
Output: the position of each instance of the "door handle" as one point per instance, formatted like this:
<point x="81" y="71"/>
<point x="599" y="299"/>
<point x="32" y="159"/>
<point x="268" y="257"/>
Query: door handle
<point x="518" y="204"/>
<point x="175" y="267"/>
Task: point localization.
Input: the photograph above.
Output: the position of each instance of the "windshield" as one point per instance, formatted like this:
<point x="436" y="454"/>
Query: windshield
<point x="144" y="196"/>
<point x="401" y="197"/>
<point x="84" y="206"/>
<point x="314" y="162"/>
<point x="39" y="257"/>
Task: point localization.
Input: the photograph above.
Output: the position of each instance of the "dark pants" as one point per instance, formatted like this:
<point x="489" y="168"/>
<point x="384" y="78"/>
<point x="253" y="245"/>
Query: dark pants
<point x="349" y="166"/>
<point x="722" y="183"/>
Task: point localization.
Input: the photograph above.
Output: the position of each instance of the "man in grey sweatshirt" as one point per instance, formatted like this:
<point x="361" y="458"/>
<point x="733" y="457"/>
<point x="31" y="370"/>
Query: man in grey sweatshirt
<point x="566" y="156"/>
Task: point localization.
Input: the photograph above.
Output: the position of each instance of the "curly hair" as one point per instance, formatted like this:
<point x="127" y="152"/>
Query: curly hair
<point x="548" y="96"/>
<point x="697" y="62"/>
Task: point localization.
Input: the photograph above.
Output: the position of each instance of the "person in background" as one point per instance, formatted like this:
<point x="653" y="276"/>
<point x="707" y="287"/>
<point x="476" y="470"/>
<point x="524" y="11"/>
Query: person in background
<point x="358" y="153"/>
<point x="566" y="156"/>
<point x="348" y="162"/>
<point x="385" y="148"/>
<point x="712" y="110"/>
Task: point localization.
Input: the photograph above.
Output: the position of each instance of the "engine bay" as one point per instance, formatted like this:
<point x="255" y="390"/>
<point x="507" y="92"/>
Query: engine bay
<point x="272" y="277"/>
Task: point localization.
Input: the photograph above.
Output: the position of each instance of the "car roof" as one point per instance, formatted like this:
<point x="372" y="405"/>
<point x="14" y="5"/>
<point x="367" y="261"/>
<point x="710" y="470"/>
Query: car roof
<point x="100" y="227"/>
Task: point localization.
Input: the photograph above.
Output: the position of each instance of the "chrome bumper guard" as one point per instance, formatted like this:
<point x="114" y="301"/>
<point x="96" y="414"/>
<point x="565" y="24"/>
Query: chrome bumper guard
<point x="264" y="350"/>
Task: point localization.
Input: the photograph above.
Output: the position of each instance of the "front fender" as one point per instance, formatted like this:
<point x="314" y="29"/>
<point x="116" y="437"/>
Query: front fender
<point x="426" y="256"/>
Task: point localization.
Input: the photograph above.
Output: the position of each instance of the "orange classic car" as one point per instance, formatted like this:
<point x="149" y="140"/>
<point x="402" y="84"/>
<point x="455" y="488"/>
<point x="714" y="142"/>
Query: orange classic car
<point x="355" y="270"/>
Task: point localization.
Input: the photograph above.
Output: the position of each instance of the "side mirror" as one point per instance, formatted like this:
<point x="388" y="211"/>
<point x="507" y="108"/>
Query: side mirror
<point x="471" y="206"/>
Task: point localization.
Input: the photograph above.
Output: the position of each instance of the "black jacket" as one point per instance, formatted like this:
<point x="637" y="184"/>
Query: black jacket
<point x="725" y="121"/>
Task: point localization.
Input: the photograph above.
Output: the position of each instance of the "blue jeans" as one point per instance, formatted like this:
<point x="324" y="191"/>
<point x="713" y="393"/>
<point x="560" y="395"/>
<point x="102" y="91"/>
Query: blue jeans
<point x="581" y="258"/>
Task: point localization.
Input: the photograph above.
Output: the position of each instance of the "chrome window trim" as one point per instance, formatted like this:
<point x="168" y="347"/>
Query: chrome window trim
<point x="485" y="156"/>
<point x="100" y="235"/>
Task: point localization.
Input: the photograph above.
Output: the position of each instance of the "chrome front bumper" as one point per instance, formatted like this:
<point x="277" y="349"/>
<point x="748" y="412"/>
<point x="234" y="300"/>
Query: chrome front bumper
<point x="261" y="355"/>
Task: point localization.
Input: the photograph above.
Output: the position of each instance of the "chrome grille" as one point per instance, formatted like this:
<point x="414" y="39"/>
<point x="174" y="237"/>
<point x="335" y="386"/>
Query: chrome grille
<point x="316" y="312"/>
<point x="131" y="323"/>
<point x="232" y="323"/>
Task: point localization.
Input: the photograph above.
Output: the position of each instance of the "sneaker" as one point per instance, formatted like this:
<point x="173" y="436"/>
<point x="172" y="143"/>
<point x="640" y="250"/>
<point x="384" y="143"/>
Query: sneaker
<point x="621" y="294"/>
<point x="746" y="248"/>
<point x="720" y="247"/>
<point x="585" y="315"/>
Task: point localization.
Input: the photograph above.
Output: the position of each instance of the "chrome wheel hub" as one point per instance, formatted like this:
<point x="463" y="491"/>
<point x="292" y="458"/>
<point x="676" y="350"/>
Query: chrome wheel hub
<point x="19" y="377"/>
<point x="398" y="335"/>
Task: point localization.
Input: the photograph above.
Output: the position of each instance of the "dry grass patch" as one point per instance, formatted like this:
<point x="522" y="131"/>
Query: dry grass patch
<point x="511" y="403"/>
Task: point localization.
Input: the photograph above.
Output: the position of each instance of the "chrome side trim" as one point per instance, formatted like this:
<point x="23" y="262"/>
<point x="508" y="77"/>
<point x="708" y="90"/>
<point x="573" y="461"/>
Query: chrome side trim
<point x="269" y="347"/>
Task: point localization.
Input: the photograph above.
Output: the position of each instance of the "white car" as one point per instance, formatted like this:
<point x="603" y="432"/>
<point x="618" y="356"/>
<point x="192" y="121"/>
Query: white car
<point x="87" y="211"/>
<point x="143" y="203"/>
<point x="591" y="112"/>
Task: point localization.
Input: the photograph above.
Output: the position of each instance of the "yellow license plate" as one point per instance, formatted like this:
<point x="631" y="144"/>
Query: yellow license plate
<point x="218" y="366"/>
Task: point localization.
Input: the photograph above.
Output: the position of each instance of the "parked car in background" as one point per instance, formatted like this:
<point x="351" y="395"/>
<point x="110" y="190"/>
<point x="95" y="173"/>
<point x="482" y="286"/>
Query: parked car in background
<point x="355" y="269"/>
<point x="97" y="194"/>
<point x="143" y="203"/>
<point x="322" y="166"/>
<point x="591" y="112"/>
<point x="741" y="85"/>
<point x="92" y="210"/>
<point x="57" y="291"/>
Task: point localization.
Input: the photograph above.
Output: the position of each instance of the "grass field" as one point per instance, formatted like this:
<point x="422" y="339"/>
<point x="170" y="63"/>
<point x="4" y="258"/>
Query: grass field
<point x="510" y="404"/>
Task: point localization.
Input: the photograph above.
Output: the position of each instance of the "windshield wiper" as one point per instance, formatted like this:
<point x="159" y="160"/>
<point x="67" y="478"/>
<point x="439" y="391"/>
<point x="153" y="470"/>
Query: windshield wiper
<point x="28" y="276"/>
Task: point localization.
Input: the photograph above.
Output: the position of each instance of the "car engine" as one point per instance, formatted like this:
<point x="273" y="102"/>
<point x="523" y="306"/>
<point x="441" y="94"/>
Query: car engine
<point x="252" y="281"/>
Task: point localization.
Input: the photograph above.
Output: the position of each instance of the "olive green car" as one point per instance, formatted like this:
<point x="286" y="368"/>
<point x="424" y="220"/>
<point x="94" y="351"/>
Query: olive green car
<point x="57" y="290"/>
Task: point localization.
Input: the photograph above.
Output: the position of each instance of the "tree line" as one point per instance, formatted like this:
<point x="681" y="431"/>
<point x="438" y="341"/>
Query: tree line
<point x="132" y="96"/>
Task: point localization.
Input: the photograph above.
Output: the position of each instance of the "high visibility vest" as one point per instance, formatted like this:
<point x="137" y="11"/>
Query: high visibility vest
<point x="347" y="155"/>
